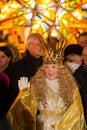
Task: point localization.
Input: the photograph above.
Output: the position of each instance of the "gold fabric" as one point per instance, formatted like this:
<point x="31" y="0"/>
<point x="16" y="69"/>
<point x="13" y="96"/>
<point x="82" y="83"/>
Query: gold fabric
<point x="73" y="119"/>
<point x="23" y="113"/>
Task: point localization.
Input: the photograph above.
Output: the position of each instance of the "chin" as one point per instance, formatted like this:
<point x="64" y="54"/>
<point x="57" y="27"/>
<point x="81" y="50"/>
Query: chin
<point x="51" y="78"/>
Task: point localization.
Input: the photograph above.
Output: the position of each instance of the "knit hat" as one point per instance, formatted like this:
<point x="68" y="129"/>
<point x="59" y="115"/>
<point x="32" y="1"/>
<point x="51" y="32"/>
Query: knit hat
<point x="73" y="49"/>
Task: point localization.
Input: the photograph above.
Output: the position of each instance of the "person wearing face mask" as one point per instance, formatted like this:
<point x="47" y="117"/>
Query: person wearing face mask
<point x="81" y="77"/>
<point x="73" y="57"/>
<point x="52" y="101"/>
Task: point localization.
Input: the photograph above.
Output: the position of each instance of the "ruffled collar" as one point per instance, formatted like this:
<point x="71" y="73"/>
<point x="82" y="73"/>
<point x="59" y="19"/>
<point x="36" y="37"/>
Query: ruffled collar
<point x="53" y="84"/>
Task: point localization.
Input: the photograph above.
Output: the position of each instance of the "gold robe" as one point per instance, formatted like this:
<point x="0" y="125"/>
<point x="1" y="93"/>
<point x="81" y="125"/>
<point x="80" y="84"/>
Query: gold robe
<point x="24" y="110"/>
<point x="73" y="119"/>
<point x="22" y="113"/>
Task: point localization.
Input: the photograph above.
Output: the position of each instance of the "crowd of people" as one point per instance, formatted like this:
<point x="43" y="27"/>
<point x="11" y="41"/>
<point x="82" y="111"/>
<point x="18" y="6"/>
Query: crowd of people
<point x="44" y="95"/>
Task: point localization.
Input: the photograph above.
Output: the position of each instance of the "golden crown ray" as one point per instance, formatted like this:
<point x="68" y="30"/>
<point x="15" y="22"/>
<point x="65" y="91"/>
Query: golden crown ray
<point x="53" y="50"/>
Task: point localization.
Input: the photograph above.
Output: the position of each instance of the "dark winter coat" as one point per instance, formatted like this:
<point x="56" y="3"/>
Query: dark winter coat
<point x="25" y="67"/>
<point x="81" y="77"/>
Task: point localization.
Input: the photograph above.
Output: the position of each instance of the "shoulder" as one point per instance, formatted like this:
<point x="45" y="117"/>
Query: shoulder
<point x="79" y="70"/>
<point x="4" y="79"/>
<point x="80" y="73"/>
<point x="18" y="63"/>
<point x="3" y="75"/>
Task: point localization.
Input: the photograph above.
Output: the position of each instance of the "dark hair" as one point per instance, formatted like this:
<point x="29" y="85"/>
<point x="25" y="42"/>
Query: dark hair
<point x="17" y="55"/>
<point x="73" y="49"/>
<point x="6" y="50"/>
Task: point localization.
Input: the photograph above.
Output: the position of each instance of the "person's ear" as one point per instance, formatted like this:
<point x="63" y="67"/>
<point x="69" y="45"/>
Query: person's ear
<point x="9" y="58"/>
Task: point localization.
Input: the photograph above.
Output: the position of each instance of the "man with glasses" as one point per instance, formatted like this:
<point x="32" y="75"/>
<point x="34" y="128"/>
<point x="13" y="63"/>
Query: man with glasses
<point x="27" y="66"/>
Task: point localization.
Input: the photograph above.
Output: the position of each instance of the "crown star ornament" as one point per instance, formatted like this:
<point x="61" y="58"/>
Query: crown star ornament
<point x="53" y="50"/>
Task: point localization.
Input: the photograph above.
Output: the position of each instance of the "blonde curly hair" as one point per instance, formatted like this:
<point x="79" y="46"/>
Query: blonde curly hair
<point x="67" y="85"/>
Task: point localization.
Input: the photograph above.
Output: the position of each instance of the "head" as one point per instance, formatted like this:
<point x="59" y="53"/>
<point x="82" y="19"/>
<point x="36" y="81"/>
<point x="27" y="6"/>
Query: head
<point x="5" y="56"/>
<point x="66" y="82"/>
<point x="73" y="53"/>
<point x="84" y="54"/>
<point x="51" y="71"/>
<point x="33" y="43"/>
<point x="15" y="52"/>
<point x="82" y="39"/>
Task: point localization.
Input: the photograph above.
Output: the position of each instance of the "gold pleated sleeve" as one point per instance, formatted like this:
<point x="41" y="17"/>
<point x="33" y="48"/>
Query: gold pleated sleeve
<point x="22" y="113"/>
<point x="73" y="119"/>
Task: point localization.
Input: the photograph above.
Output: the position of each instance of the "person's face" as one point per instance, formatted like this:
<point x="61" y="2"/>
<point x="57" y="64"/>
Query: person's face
<point x="77" y="59"/>
<point x="84" y="54"/>
<point x="51" y="71"/>
<point x="35" y="48"/>
<point x="82" y="41"/>
<point x="3" y="59"/>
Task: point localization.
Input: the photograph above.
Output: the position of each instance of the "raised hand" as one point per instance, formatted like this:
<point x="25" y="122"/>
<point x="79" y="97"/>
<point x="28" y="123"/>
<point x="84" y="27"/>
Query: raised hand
<point x="23" y="83"/>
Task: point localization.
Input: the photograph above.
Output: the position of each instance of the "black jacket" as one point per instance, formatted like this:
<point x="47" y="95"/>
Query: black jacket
<point x="81" y="77"/>
<point x="25" y="67"/>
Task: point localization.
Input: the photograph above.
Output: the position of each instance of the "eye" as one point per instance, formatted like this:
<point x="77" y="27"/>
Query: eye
<point x="46" y="67"/>
<point x="3" y="56"/>
<point x="53" y="66"/>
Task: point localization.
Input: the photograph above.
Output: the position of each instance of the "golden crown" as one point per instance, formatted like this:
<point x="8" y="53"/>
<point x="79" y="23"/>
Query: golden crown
<point x="53" y="50"/>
